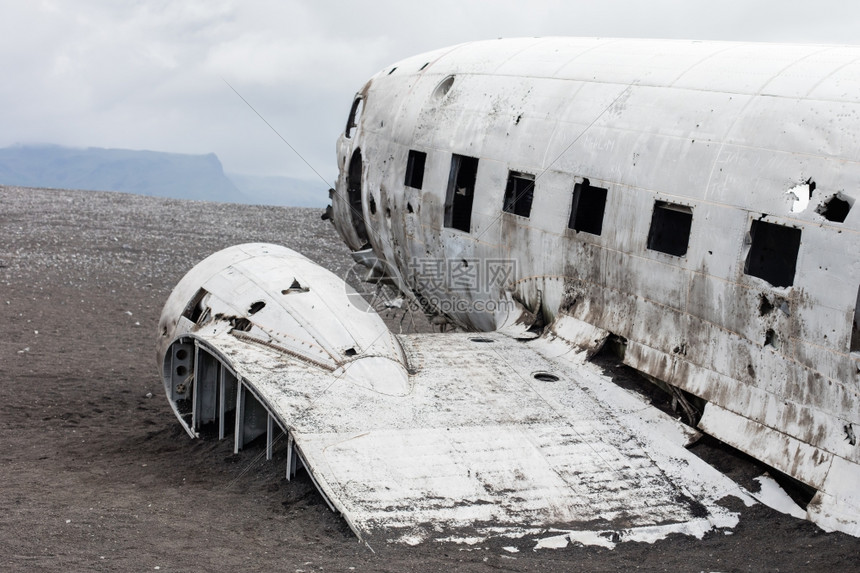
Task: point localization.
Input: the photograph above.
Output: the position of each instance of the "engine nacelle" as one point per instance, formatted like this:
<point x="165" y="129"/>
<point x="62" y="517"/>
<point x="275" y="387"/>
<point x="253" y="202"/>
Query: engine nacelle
<point x="267" y="296"/>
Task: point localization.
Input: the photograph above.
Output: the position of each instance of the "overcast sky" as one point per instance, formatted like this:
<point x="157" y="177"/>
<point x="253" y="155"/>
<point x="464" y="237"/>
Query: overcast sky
<point x="148" y="74"/>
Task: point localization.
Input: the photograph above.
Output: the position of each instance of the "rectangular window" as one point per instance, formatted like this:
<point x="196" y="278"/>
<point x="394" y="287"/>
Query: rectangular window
<point x="196" y="308"/>
<point x="415" y="169"/>
<point x="773" y="253"/>
<point x="587" y="208"/>
<point x="519" y="194"/>
<point x="670" y="228"/>
<point x="461" y="191"/>
<point x="354" y="116"/>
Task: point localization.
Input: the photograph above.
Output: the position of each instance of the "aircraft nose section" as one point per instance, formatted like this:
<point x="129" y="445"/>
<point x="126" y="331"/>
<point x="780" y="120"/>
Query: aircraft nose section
<point x="347" y="211"/>
<point x="271" y="296"/>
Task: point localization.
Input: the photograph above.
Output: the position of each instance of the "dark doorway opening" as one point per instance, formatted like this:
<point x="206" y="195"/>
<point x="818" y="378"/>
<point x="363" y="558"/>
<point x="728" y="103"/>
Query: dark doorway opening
<point x="354" y="195"/>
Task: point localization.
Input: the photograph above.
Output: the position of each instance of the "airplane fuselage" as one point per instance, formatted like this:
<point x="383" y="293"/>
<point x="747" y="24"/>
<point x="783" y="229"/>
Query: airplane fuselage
<point x="695" y="200"/>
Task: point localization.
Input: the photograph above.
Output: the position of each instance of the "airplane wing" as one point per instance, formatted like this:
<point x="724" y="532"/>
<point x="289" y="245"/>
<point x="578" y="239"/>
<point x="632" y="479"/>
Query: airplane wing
<point x="427" y="436"/>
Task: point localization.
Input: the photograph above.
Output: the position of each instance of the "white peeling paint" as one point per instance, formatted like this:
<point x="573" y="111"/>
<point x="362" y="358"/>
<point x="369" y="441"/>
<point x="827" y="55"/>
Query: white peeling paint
<point x="773" y="496"/>
<point x="609" y="538"/>
<point x="554" y="542"/>
<point x="461" y="540"/>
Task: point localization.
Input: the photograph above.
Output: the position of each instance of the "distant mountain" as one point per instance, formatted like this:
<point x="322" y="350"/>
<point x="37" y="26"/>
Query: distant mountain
<point x="143" y="172"/>
<point x="286" y="191"/>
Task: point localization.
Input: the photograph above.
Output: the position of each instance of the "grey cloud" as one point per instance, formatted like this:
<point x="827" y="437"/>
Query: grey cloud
<point x="148" y="75"/>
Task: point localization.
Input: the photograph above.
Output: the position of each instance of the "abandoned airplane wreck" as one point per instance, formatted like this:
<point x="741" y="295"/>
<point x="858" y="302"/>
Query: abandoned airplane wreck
<point x="691" y="202"/>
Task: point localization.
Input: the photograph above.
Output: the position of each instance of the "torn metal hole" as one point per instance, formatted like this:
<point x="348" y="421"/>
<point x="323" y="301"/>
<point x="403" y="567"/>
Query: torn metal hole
<point x="850" y="435"/>
<point x="770" y="338"/>
<point x="256" y="307"/>
<point x="765" y="306"/>
<point x="242" y="324"/>
<point x="481" y="339"/>
<point x="350" y="352"/>
<point x="295" y="287"/>
<point x="835" y="209"/>
<point x="801" y="195"/>
<point x="545" y="377"/>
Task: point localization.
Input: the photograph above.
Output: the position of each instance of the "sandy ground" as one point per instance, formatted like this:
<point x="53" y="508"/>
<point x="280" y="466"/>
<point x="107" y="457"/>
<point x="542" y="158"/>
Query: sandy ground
<point x="97" y="474"/>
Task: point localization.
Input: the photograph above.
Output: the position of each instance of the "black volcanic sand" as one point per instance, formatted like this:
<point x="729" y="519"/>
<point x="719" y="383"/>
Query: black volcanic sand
<point x="98" y="475"/>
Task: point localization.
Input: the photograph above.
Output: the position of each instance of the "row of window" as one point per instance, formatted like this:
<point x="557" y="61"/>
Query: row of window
<point x="772" y="255"/>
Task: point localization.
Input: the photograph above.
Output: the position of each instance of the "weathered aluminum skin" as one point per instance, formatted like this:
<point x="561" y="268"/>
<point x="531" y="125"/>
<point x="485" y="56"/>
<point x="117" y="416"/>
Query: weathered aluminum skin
<point x="433" y="436"/>
<point x="731" y="132"/>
